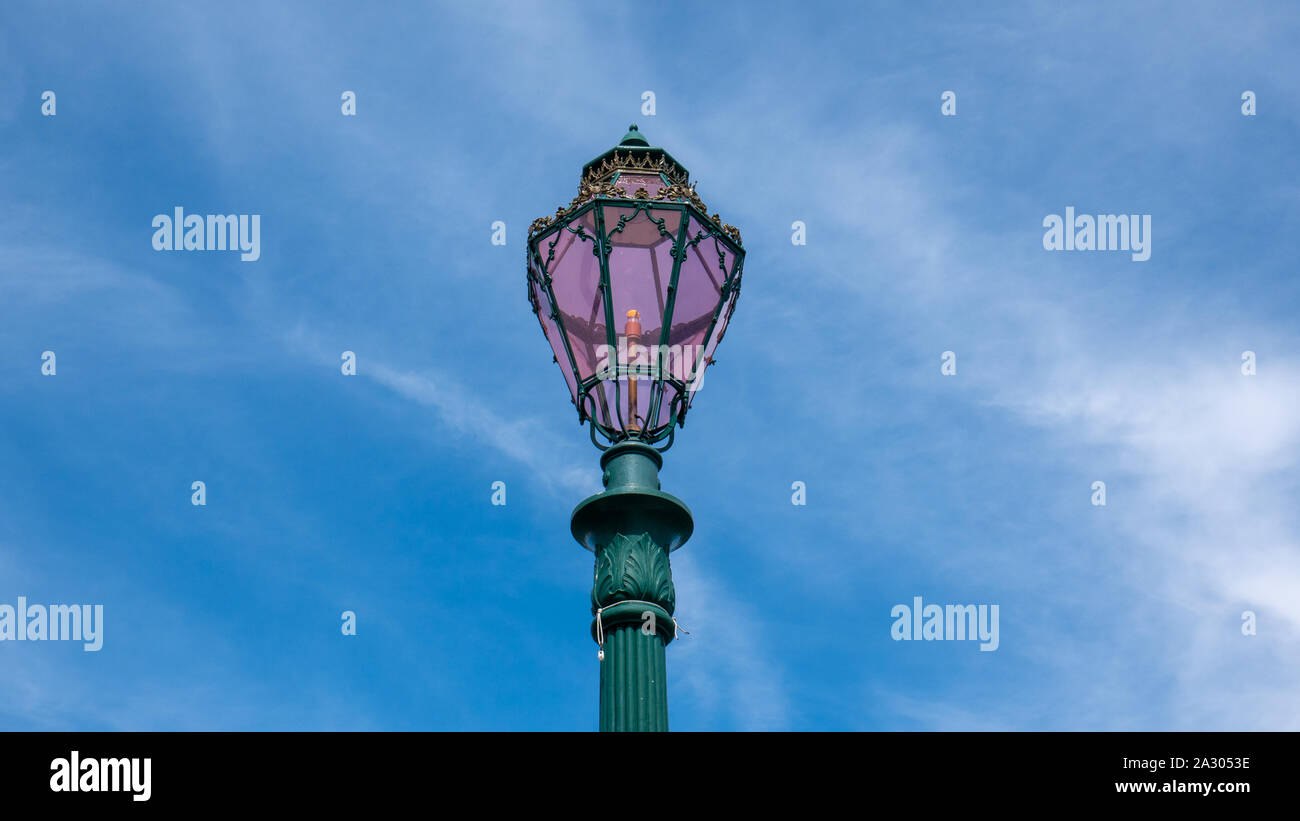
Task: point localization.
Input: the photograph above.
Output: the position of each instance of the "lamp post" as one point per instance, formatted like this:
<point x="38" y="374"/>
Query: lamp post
<point x="633" y="283"/>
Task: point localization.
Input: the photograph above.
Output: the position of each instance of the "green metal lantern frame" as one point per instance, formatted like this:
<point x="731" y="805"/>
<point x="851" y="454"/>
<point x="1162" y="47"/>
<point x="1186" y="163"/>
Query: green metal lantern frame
<point x="594" y="198"/>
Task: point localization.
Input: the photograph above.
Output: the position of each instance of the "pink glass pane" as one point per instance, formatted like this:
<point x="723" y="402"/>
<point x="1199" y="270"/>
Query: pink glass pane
<point x="555" y="246"/>
<point x="552" y="332"/>
<point x="712" y="345"/>
<point x="640" y="266"/>
<point x="633" y="227"/>
<point x="699" y="286"/>
<point x="707" y="265"/>
<point x="640" y="272"/>
<point x="575" y="280"/>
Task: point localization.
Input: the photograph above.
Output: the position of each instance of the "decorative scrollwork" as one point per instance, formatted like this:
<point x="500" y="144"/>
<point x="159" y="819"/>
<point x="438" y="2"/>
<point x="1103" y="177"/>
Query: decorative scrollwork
<point x="636" y="161"/>
<point x="590" y="190"/>
<point x="597" y="182"/>
<point x="677" y="191"/>
<point x="687" y="194"/>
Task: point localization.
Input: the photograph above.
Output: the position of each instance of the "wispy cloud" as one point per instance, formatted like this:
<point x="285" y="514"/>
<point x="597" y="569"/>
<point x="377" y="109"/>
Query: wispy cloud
<point x="521" y="439"/>
<point x="722" y="665"/>
<point x="461" y="412"/>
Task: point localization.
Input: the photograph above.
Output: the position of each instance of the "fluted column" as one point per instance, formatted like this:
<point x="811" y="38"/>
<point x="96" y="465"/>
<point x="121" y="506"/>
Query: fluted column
<point x="632" y="527"/>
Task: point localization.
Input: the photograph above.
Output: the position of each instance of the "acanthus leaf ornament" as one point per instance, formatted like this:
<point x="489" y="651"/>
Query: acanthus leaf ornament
<point x="633" y="568"/>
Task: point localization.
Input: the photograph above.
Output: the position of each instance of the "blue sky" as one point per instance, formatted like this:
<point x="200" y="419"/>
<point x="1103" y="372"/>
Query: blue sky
<point x="372" y="493"/>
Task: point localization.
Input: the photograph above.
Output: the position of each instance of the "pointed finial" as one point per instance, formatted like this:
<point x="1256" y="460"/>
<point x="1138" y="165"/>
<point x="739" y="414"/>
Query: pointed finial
<point x="633" y="137"/>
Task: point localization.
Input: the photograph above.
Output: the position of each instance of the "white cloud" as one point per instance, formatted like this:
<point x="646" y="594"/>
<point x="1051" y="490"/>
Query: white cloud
<point x="523" y="439"/>
<point x="722" y="665"/>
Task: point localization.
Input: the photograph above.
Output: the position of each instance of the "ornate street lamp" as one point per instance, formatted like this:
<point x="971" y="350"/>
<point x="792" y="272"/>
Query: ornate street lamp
<point x="633" y="283"/>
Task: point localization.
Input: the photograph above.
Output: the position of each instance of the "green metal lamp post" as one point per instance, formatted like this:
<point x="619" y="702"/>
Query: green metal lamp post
<point x="633" y="283"/>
